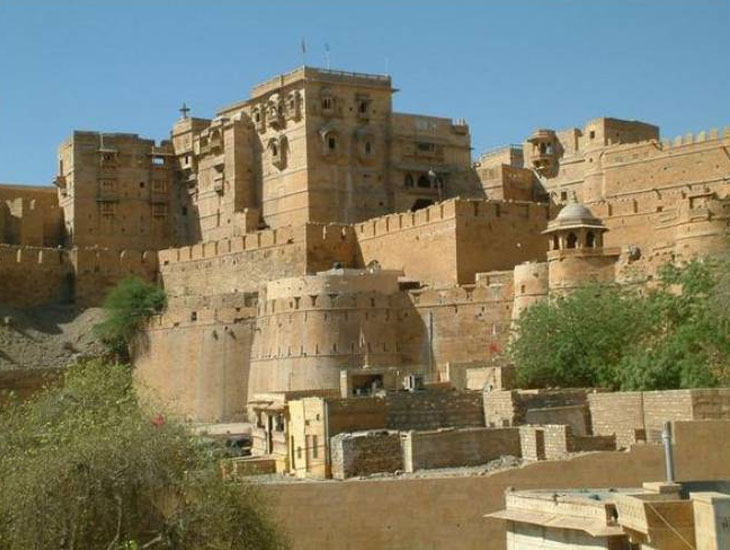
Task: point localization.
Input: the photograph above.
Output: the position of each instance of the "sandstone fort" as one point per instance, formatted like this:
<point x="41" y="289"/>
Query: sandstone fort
<point x="316" y="246"/>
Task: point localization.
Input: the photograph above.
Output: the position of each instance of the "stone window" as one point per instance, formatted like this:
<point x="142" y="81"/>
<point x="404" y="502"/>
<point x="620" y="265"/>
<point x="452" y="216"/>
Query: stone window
<point x="425" y="147"/>
<point x="159" y="210"/>
<point x="278" y="149"/>
<point x="591" y="239"/>
<point x="328" y="103"/>
<point x="332" y="142"/>
<point x="109" y="158"/>
<point x="368" y="147"/>
<point x="158" y="161"/>
<point x="572" y="240"/>
<point x="107" y="185"/>
<point x="108" y="210"/>
<point x="424" y="181"/>
<point x="408" y="180"/>
<point x="592" y="134"/>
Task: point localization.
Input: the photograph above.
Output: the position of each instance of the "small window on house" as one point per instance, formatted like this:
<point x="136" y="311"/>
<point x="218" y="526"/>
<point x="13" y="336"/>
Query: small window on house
<point x="158" y="161"/>
<point x="368" y="148"/>
<point x="193" y="315"/>
<point x="408" y="180"/>
<point x="424" y="181"/>
<point x="141" y="185"/>
<point x="327" y="103"/>
<point x="257" y="116"/>
<point x="572" y="240"/>
<point x="563" y="195"/>
<point x="184" y="210"/>
<point x="332" y="143"/>
<point x="292" y="103"/>
<point x="426" y="147"/>
<point x="362" y="106"/>
<point x="592" y="134"/>
<point x="274" y="150"/>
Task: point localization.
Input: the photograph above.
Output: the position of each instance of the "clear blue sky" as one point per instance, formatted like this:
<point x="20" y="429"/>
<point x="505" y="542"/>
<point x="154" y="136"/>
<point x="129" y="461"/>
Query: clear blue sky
<point x="507" y="67"/>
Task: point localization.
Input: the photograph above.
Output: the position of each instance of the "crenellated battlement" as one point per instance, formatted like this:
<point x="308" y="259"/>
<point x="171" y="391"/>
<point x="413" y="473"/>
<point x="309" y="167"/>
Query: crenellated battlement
<point x="27" y="256"/>
<point x="183" y="317"/>
<point x="657" y="147"/>
<point x="259" y="240"/>
<point x="449" y="210"/>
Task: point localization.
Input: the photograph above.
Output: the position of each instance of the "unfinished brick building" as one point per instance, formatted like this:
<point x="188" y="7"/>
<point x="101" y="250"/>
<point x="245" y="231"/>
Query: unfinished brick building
<point x="309" y="233"/>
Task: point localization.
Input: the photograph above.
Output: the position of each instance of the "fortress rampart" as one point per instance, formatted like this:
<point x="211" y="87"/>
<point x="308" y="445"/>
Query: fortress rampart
<point x="34" y="276"/>
<point x="450" y="242"/>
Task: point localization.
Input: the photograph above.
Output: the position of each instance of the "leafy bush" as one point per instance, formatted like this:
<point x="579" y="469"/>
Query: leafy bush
<point x="85" y="466"/>
<point x="674" y="335"/>
<point x="126" y="307"/>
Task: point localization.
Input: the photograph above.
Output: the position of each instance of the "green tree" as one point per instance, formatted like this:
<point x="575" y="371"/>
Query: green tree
<point x="84" y="466"/>
<point x="690" y="344"/>
<point x="675" y="334"/>
<point x="126" y="307"/>
<point x="577" y="339"/>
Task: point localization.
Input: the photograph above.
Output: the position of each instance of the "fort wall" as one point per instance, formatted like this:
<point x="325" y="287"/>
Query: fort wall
<point x="450" y="242"/>
<point x="34" y="276"/>
<point x="195" y="361"/>
<point x="30" y="216"/>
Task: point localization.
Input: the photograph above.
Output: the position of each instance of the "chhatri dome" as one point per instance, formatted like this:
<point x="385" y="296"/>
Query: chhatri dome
<point x="575" y="227"/>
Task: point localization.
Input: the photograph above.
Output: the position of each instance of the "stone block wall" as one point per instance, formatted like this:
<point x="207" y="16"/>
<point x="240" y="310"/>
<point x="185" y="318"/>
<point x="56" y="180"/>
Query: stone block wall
<point x="627" y="414"/>
<point x="556" y="441"/>
<point x="365" y="453"/>
<point x="532" y="443"/>
<point x="433" y="410"/>
<point x="510" y="408"/>
<point x="458" y="447"/>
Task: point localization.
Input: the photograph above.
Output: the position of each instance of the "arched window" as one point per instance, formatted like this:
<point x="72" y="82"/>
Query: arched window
<point x="591" y="240"/>
<point x="274" y="149"/>
<point x="572" y="241"/>
<point x="424" y="181"/>
<point x="368" y="147"/>
<point x="332" y="142"/>
<point x="408" y="180"/>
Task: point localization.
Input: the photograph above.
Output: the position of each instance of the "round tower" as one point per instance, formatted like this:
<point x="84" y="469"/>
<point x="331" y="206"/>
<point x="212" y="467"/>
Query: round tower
<point x="576" y="255"/>
<point x="702" y="227"/>
<point x="310" y="328"/>
<point x="531" y="285"/>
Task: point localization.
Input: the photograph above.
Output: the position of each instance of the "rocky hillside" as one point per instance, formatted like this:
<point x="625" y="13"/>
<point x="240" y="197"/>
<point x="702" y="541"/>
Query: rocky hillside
<point x="46" y="338"/>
